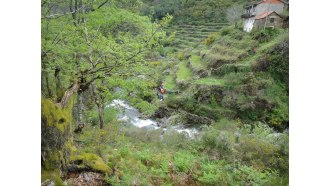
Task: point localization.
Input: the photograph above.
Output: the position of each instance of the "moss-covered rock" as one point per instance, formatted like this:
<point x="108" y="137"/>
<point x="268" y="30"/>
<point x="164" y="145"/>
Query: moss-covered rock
<point x="53" y="116"/>
<point x="91" y="161"/>
<point x="56" y="145"/>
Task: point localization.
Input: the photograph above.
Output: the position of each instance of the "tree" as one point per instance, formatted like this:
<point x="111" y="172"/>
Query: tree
<point x="96" y="44"/>
<point x="234" y="13"/>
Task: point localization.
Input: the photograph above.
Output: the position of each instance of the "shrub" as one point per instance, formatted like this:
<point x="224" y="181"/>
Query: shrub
<point x="265" y="35"/>
<point x="277" y="94"/>
<point x="260" y="65"/>
<point x="180" y="56"/>
<point x="175" y="140"/>
<point x="209" y="40"/>
<point x="189" y="104"/>
<point x="217" y="143"/>
<point x="227" y="30"/>
<point x="258" y="149"/>
<point x="166" y="51"/>
<point x="278" y="59"/>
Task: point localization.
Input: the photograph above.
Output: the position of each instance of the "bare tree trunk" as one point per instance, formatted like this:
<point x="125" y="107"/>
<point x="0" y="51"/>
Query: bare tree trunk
<point x="81" y="17"/>
<point x="59" y="93"/>
<point x="74" y="14"/>
<point x="44" y="86"/>
<point x="65" y="99"/>
<point x="49" y="90"/>
<point x="101" y="115"/>
<point x="80" y="107"/>
<point x="99" y="106"/>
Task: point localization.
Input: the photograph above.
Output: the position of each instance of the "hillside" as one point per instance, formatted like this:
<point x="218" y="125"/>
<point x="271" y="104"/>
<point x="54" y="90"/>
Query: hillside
<point x="187" y="36"/>
<point x="224" y="118"/>
<point x="244" y="81"/>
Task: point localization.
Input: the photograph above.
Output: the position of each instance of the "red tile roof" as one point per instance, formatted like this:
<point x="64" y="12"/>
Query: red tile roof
<point x="272" y="1"/>
<point x="265" y="14"/>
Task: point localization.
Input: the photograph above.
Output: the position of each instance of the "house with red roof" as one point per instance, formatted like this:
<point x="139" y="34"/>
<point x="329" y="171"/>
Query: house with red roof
<point x="265" y="13"/>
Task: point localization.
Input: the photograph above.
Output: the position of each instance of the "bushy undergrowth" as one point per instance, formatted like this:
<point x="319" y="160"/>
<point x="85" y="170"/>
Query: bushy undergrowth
<point x="265" y="35"/>
<point x="227" y="153"/>
<point x="275" y="58"/>
<point x="210" y="39"/>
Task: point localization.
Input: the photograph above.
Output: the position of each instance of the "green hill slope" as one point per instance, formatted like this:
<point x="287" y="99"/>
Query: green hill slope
<point x="251" y="87"/>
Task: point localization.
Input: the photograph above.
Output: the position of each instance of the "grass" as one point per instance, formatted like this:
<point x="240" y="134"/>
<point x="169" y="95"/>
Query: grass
<point x="213" y="58"/>
<point x="169" y="82"/>
<point x="196" y="62"/>
<point x="252" y="59"/>
<point x="196" y="35"/>
<point x="243" y="43"/>
<point x="261" y="50"/>
<point x="265" y="46"/>
<point x="192" y="39"/>
<point x="189" y="35"/>
<point x="195" y="51"/>
<point x="210" y="81"/>
<point x="183" y="73"/>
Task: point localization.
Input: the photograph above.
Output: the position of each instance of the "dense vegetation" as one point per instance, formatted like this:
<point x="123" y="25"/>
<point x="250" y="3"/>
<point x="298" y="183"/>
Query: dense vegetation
<point x="191" y="11"/>
<point x="230" y="85"/>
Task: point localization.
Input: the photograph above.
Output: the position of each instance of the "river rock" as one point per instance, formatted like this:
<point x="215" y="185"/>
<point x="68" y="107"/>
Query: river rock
<point x="203" y="73"/>
<point x="161" y="112"/>
<point x="170" y="121"/>
<point x="87" y="177"/>
<point x="193" y="119"/>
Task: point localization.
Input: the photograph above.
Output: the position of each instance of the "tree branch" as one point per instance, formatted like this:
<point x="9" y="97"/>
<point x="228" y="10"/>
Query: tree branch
<point x="102" y="4"/>
<point x="67" y="95"/>
<point x="54" y="16"/>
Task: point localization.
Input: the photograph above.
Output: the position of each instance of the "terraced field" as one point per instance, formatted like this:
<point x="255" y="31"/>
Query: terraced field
<point x="210" y="81"/>
<point x="209" y="64"/>
<point x="183" y="73"/>
<point x="188" y="36"/>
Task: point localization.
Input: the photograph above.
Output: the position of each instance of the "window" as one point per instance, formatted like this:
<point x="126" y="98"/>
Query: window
<point x="272" y="20"/>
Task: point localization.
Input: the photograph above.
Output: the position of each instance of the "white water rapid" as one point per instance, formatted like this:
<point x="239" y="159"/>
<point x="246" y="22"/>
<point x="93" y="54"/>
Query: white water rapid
<point x="131" y="115"/>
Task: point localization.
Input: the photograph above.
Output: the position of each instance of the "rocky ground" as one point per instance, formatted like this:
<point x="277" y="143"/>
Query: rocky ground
<point x="80" y="179"/>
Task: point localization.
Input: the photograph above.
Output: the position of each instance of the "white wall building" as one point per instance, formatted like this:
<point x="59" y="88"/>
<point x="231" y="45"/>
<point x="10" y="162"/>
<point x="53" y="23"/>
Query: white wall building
<point x="263" y="7"/>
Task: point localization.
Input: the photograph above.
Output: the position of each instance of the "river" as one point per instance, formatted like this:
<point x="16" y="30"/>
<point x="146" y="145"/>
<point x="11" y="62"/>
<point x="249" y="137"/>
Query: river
<point x="131" y="115"/>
